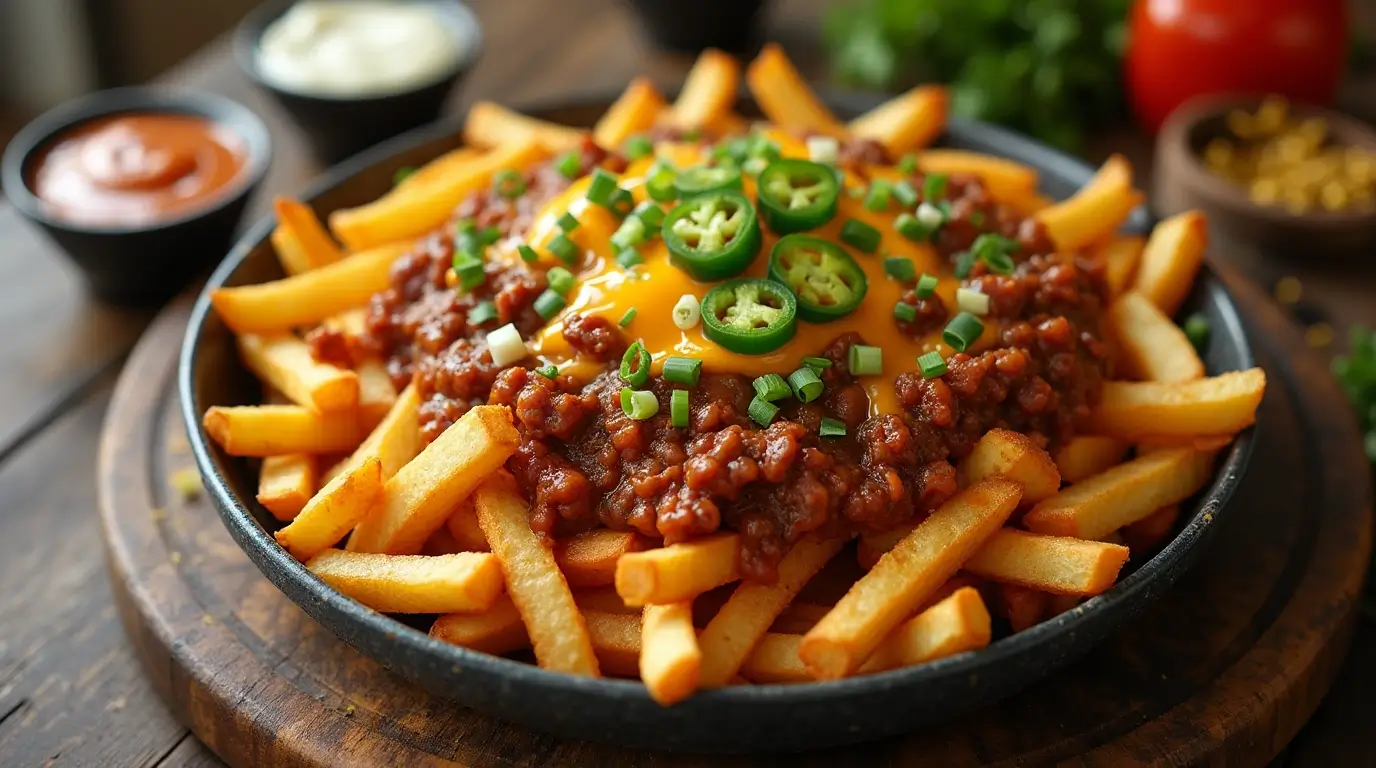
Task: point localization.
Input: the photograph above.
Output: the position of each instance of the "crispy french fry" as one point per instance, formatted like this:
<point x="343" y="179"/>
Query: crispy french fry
<point x="463" y="526"/>
<point x="1005" y="453"/>
<point x="708" y="92"/>
<point x="799" y="617"/>
<point x="589" y="559"/>
<point x="1094" y="212"/>
<point x="872" y="546"/>
<point x="334" y="511"/>
<point x="746" y="616"/>
<point x="907" y="121"/>
<point x="1099" y="505"/>
<point x="1151" y="531"/>
<point x="410" y="211"/>
<point x="285" y="362"/>
<point x="784" y="96"/>
<point x="1059" y="604"/>
<point x="949" y="587"/>
<point x="441" y="542"/>
<point x="615" y="639"/>
<point x="679" y="571"/>
<point x="557" y="629"/>
<point x="1153" y="347"/>
<point x="351" y="322"/>
<point x="1121" y="254"/>
<point x="376" y="394"/>
<point x="394" y="441"/>
<point x="1171" y="260"/>
<point x="905" y="576"/>
<point x="286" y="483"/>
<point x="670" y="659"/>
<point x="1209" y="443"/>
<point x="1029" y="204"/>
<point x="635" y="111"/>
<point x="271" y="430"/>
<point x="1024" y="608"/>
<point x="957" y="624"/>
<point x="301" y="242"/>
<point x="1216" y="405"/>
<point x="310" y="297"/>
<point x="437" y="171"/>
<point x="468" y="582"/>
<point x="491" y="125"/>
<point x="1054" y="564"/>
<point x="1005" y="179"/>
<point x="497" y="630"/>
<point x="727" y="124"/>
<point x="775" y="660"/>
<point x="602" y="600"/>
<point x="1086" y="455"/>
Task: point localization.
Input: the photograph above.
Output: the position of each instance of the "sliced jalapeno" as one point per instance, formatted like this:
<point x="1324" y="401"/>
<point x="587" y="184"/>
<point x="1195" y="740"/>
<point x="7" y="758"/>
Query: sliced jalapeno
<point x="826" y="280"/>
<point x="795" y="195"/>
<point x="699" y="180"/>
<point x="712" y="236"/>
<point x="749" y="315"/>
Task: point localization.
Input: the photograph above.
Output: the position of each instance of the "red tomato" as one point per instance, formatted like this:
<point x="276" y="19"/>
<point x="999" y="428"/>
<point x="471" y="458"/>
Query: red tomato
<point x="1183" y="48"/>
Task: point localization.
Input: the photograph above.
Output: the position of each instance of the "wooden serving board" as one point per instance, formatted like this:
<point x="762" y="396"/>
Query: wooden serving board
<point x="1223" y="669"/>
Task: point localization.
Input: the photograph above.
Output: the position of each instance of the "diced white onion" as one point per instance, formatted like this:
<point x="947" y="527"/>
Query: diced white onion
<point x="687" y="312"/>
<point x="506" y="345"/>
<point x="823" y="149"/>
<point x="972" y="301"/>
<point x="930" y="215"/>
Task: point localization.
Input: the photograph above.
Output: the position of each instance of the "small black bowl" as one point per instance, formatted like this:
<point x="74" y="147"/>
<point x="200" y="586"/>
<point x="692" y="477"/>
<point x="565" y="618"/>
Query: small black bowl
<point x="147" y="264"/>
<point x="692" y="25"/>
<point x="339" y="126"/>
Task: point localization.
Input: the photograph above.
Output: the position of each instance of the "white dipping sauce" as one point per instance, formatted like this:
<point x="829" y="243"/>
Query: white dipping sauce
<point x="357" y="47"/>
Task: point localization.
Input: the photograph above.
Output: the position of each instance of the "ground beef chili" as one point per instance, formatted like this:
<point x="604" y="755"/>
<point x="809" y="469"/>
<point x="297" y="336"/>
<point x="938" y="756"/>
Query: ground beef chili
<point x="583" y="462"/>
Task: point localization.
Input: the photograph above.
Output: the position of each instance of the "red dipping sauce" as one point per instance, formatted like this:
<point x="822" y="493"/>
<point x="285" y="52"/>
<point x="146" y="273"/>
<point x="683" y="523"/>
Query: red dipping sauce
<point x="137" y="169"/>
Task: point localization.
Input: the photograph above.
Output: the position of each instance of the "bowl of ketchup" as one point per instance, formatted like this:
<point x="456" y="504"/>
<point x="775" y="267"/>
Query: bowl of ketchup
<point x="142" y="188"/>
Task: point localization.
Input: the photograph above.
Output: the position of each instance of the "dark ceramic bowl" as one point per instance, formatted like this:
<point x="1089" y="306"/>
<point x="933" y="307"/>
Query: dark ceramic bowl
<point x="692" y="25"/>
<point x="147" y="264"/>
<point x="337" y="126"/>
<point x="735" y="719"/>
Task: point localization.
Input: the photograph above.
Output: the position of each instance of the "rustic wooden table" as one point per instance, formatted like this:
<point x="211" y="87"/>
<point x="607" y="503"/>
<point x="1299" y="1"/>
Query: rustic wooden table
<point x="71" y="692"/>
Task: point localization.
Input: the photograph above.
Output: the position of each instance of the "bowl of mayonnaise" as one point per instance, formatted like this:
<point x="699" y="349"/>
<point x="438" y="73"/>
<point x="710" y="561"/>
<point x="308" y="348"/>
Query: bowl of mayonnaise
<point x="353" y="73"/>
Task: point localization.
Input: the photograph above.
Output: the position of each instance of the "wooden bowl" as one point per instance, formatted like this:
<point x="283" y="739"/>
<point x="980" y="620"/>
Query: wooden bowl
<point x="1181" y="182"/>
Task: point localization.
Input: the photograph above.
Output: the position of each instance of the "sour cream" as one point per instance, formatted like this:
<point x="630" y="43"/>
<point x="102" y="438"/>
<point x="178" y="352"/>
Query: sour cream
<point x="348" y="48"/>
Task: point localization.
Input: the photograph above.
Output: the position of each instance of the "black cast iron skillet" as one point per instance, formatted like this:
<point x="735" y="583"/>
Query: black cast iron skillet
<point x="736" y="719"/>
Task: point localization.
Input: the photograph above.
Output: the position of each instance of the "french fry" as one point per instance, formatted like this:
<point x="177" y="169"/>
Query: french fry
<point x="1217" y="405"/>
<point x="1153" y="347"/>
<point x="1087" y="455"/>
<point x="957" y="624"/>
<point x="334" y="511"/>
<point x="351" y="322"/>
<point x="497" y="630"/>
<point x="468" y="582"/>
<point x="437" y="171"/>
<point x="491" y="125"/>
<point x="602" y="600"/>
<point x="1121" y="255"/>
<point x="1005" y="179"/>
<point x="1151" y="531"/>
<point x="799" y="617"/>
<point x="1171" y="259"/>
<point x="411" y="211"/>
<point x="1059" y="604"/>
<point x="1096" y="210"/>
<point x="463" y="526"/>
<point x="557" y="629"/>
<point x="286" y="483"/>
<point x="285" y="362"/>
<point x="872" y="546"/>
<point x="746" y="616"/>
<point x="635" y="111"/>
<point x="905" y="122"/>
<point x="1209" y="443"/>
<point x="727" y="124"/>
<point x="1029" y="204"/>
<point x="376" y="394"/>
<point x="905" y="576"/>
<point x="949" y="587"/>
<point x="784" y="96"/>
<point x="271" y="430"/>
<point x="394" y="441"/>
<point x="615" y="642"/>
<point x="441" y="542"/>
<point x="679" y="571"/>
<point x="589" y="559"/>
<point x="1005" y="453"/>
<point x="301" y="242"/>
<point x="670" y="659"/>
<point x="1054" y="564"/>
<point x="708" y="92"/>
<point x="1099" y="505"/>
<point x="1024" y="608"/>
<point x="775" y="660"/>
<point x="310" y="297"/>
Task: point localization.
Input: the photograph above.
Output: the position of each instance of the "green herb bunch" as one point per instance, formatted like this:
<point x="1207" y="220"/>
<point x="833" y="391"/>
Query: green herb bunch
<point x="1356" y="372"/>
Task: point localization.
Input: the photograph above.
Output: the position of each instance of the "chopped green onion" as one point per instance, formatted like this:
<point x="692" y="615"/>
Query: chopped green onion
<point x="469" y="271"/>
<point x="627" y="317"/>
<point x="482" y="312"/>
<point x="682" y="370"/>
<point x="564" y="248"/>
<point x="926" y="285"/>
<point x="506" y="345"/>
<point x="905" y="312"/>
<point x="637" y="147"/>
<point x="831" y="427"/>
<point x="465" y="227"/>
<point x="528" y="254"/>
<point x="687" y="312"/>
<point x="569" y="165"/>
<point x="907" y="164"/>
<point x="639" y="405"/>
<point x="621" y="202"/>
<point x="659" y="182"/>
<point x="762" y="412"/>
<point x="635" y="365"/>
<point x="489" y="235"/>
<point x="678" y="408"/>
<point x="548" y="371"/>
<point x="909" y="227"/>
<point x="904" y="193"/>
<point x="568" y="222"/>
<point x="860" y="235"/>
<point x="877" y="199"/>
<point x="509" y="183"/>
<point x="930" y="215"/>
<point x="934" y="186"/>
<point x="549" y="304"/>
<point x="651" y="215"/>
<point x="961" y="332"/>
<point x="900" y="268"/>
<point x="602" y="188"/>
<point x="806" y="384"/>
<point x="631" y="233"/>
<point x="972" y="301"/>
<point x="965" y="261"/>
<point x="560" y="280"/>
<point x="818" y="364"/>
<point x="823" y="149"/>
<point x="865" y="360"/>
<point x="931" y="365"/>
<point x="1000" y="264"/>
<point x="994" y="250"/>
<point x="771" y="386"/>
<point x="1197" y="330"/>
<point x="629" y="258"/>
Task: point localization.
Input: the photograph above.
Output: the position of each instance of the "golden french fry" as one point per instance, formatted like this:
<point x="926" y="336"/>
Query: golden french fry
<point x="1096" y="210"/>
<point x="602" y="600"/>
<point x="468" y="582"/>
<point x="301" y="242"/>
<point x="708" y="93"/>
<point x="615" y="642"/>
<point x="746" y="616"/>
<point x="784" y="96"/>
<point x="1029" y="204"/>
<point x="413" y="210"/>
<point x="799" y="617"/>
<point x="491" y="125"/>
<point x="422" y="494"/>
<point x="1171" y="259"/>
<point x="1005" y="453"/>
<point x="905" y="576"/>
<point x="438" y="171"/>
<point x="1153" y="348"/>
<point x="285" y="362"/>
<point x="557" y="629"/>
<point x="907" y="121"/>
<point x="1121" y="254"/>
<point x="589" y="559"/>
<point x="441" y="542"/>
<point x="310" y="297"/>
<point x="286" y="483"/>
<point x="872" y="546"/>
<point x="463" y="526"/>
<point x="727" y="124"/>
<point x="394" y="441"/>
<point x="1087" y="455"/>
<point x="497" y="630"/>
<point x="1054" y="564"/>
<point x="679" y="571"/>
<point x="1059" y="604"/>
<point x="376" y="393"/>
<point x="271" y="430"/>
<point x="1216" y="405"/>
<point x="1024" y="608"/>
<point x="635" y="111"/>
<point x="1005" y="179"/>
<point x="350" y="322"/>
<point x="775" y="660"/>
<point x="670" y="659"/>
<point x="334" y="511"/>
<point x="957" y="624"/>
<point x="1209" y="443"/>
<point x="1099" y="505"/>
<point x="1151" y="531"/>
